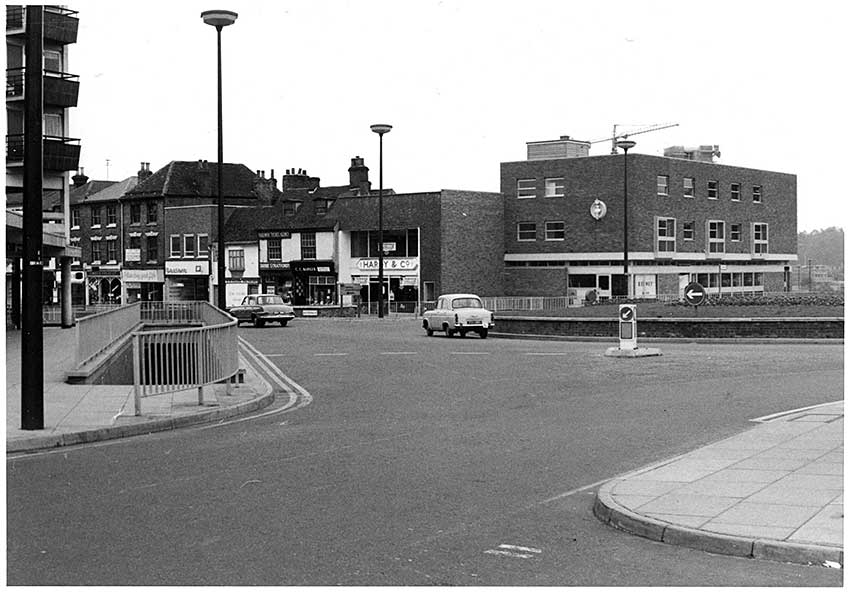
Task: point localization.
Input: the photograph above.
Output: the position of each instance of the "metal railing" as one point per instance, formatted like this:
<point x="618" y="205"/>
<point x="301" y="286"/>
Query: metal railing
<point x="96" y="333"/>
<point x="171" y="360"/>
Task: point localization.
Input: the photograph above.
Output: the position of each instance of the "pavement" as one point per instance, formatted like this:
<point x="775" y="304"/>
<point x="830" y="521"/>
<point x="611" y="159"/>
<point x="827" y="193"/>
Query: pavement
<point x="775" y="491"/>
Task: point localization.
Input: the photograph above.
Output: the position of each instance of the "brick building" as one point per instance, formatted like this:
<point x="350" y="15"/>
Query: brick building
<point x="732" y="229"/>
<point x="314" y="238"/>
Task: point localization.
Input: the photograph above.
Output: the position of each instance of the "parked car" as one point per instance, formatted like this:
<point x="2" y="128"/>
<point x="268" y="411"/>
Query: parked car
<point x="458" y="313"/>
<point x="261" y="308"/>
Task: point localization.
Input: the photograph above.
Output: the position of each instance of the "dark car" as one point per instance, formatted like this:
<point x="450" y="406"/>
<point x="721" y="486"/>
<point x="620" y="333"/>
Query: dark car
<point x="260" y="308"/>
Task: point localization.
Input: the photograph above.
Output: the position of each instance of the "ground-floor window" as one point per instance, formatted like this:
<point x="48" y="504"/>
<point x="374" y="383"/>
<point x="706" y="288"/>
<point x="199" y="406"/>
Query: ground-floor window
<point x="321" y="290"/>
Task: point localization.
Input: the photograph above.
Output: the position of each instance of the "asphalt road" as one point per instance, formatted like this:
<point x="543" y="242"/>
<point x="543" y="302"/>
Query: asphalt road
<point x="412" y="461"/>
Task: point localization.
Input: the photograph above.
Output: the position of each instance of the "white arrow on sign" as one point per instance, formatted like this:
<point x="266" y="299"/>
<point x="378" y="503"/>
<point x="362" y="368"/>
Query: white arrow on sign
<point x="692" y="293"/>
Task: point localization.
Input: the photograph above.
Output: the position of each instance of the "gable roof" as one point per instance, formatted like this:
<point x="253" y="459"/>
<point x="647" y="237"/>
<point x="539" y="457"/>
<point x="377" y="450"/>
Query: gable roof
<point x="78" y="194"/>
<point x="197" y="179"/>
<point x="114" y="191"/>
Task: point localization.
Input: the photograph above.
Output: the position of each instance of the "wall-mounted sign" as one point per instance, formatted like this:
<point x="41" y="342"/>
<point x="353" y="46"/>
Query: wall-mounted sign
<point x="187" y="268"/>
<point x="274" y="234"/>
<point x="313" y="266"/>
<point x="391" y="263"/>
<point x="274" y="265"/>
<point x="132" y="254"/>
<point x="142" y="275"/>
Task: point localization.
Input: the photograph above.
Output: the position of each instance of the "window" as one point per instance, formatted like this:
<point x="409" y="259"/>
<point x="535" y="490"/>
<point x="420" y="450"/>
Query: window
<point x="688" y="230"/>
<point x="95" y="251"/>
<point x="665" y="235"/>
<point x="760" y="238"/>
<point x="153" y="249"/>
<point x="175" y="246"/>
<point x="308" y="245"/>
<point x="188" y="245"/>
<point x="236" y="259"/>
<point x="756" y="193"/>
<point x="136" y="242"/>
<point x="203" y="246"/>
<point x="713" y="192"/>
<point x="274" y="249"/>
<point x="663" y="184"/>
<point x="688" y="186"/>
<point x="555" y="187"/>
<point x="75" y="217"/>
<point x="290" y="207"/>
<point x="716" y="236"/>
<point x="111" y="215"/>
<point x="735" y="233"/>
<point x="135" y="213"/>
<point x="555" y="231"/>
<point x="95" y="216"/>
<point x="526" y="231"/>
<point x="52" y="60"/>
<point x="111" y="250"/>
<point x="526" y="188"/>
<point x="322" y="206"/>
<point x="152" y="213"/>
<point x="53" y="125"/>
<point x="735" y="191"/>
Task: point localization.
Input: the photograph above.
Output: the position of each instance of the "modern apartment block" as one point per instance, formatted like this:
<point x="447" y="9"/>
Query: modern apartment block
<point x="60" y="152"/>
<point x="732" y="229"/>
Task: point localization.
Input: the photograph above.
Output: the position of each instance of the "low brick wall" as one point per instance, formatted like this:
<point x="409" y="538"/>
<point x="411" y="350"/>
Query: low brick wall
<point x="797" y="328"/>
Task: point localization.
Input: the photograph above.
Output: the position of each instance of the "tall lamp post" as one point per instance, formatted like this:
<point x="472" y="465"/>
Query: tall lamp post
<point x="381" y="129"/>
<point x="626" y="145"/>
<point x="220" y="19"/>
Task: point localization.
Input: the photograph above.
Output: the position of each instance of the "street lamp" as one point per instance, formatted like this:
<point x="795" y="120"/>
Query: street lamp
<point x="626" y="145"/>
<point x="381" y="129"/>
<point x="220" y="19"/>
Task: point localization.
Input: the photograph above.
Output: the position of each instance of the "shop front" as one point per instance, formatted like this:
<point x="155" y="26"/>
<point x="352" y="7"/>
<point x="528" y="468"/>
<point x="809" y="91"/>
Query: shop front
<point x="187" y="280"/>
<point x="103" y="285"/>
<point x="142" y="284"/>
<point x="276" y="278"/>
<point x="314" y="283"/>
<point x="401" y="283"/>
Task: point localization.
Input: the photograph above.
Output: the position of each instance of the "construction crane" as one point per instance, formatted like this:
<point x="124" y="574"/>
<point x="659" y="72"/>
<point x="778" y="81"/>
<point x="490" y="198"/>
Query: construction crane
<point x="614" y="137"/>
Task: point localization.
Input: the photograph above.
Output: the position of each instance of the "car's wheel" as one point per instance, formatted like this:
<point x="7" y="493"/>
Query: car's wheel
<point x="283" y="323"/>
<point x="462" y="333"/>
<point x="429" y="331"/>
<point x="483" y="333"/>
<point x="258" y="322"/>
<point x="449" y="332"/>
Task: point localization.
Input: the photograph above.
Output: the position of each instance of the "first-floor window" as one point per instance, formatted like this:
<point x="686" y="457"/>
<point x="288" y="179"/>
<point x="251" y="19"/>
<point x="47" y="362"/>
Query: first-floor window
<point x="111" y="249"/>
<point x="526" y="231"/>
<point x="188" y="245"/>
<point x="176" y="249"/>
<point x="274" y="250"/>
<point x="308" y="245"/>
<point x="665" y="235"/>
<point x="688" y="186"/>
<point x="735" y="191"/>
<point x="236" y="259"/>
<point x="716" y="236"/>
<point x="153" y="250"/>
<point x="135" y="213"/>
<point x="95" y="251"/>
<point x="152" y="213"/>
<point x="713" y="191"/>
<point x="735" y="233"/>
<point x="75" y="217"/>
<point x="526" y="188"/>
<point x="554" y="187"/>
<point x="688" y="230"/>
<point x="203" y="246"/>
<point x="135" y="242"/>
<point x="760" y="242"/>
<point x="555" y="231"/>
<point x="662" y="184"/>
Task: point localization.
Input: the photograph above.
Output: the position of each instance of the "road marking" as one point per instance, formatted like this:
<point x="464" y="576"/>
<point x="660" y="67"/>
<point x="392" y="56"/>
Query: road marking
<point x="773" y="416"/>
<point x="329" y="355"/>
<point x="514" y="551"/>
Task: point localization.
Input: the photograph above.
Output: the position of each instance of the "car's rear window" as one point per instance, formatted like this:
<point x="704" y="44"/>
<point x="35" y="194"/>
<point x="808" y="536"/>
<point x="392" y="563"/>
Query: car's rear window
<point x="466" y="303"/>
<point x="269" y="300"/>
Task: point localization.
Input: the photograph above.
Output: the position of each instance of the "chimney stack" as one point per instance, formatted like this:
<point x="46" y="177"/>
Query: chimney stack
<point x="144" y="171"/>
<point x="358" y="175"/>
<point x="80" y="178"/>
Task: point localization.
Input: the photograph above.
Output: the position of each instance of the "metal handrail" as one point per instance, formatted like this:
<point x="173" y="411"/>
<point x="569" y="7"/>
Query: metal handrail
<point x="171" y="360"/>
<point x="96" y="333"/>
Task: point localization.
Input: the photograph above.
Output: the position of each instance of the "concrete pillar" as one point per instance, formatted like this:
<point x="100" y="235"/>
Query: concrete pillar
<point x="67" y="310"/>
<point x="16" y="292"/>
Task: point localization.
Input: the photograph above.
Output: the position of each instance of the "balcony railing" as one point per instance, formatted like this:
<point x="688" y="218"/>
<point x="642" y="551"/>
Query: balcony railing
<point x="60" y="88"/>
<point x="60" y="154"/>
<point x="60" y="24"/>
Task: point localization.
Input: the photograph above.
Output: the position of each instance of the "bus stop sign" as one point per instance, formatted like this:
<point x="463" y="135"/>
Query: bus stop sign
<point x="694" y="294"/>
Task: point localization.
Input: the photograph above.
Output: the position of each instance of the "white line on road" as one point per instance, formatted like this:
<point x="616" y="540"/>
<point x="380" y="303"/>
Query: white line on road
<point x="329" y="355"/>
<point x="514" y="551"/>
<point x="470" y="353"/>
<point x="508" y="554"/>
<point x="518" y="548"/>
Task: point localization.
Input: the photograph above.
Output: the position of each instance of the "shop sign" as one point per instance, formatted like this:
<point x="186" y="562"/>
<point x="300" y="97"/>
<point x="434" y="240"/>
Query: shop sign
<point x="187" y="268"/>
<point x="274" y="234"/>
<point x="132" y="254"/>
<point x="274" y="265"/>
<point x="313" y="266"/>
<point x="392" y="264"/>
<point x="142" y="275"/>
<point x="247" y="281"/>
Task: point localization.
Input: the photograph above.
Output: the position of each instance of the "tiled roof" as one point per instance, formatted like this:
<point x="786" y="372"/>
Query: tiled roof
<point x="114" y="191"/>
<point x="197" y="179"/>
<point x="78" y="194"/>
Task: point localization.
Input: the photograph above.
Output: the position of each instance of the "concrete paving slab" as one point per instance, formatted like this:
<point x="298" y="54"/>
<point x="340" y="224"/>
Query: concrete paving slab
<point x="762" y="514"/>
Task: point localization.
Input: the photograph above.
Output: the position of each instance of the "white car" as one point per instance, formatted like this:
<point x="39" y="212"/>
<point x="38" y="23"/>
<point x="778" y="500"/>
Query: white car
<point x="458" y="313"/>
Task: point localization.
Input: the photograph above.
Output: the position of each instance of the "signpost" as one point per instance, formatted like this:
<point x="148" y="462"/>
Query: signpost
<point x="628" y="326"/>
<point x="694" y="294"/>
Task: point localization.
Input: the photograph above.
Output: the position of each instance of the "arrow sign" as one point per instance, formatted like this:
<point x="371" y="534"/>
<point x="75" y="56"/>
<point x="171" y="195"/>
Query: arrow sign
<point x="627" y="313"/>
<point x="694" y="294"/>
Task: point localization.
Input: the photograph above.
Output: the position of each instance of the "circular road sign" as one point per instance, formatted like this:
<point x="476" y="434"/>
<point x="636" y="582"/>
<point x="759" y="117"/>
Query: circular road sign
<point x="627" y="314"/>
<point x="694" y="294"/>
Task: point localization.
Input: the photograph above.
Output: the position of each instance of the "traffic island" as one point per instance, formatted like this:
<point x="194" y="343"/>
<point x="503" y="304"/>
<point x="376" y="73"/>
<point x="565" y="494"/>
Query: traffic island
<point x="638" y="352"/>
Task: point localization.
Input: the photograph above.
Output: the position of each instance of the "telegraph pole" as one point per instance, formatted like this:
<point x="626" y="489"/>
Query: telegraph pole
<point x="32" y="337"/>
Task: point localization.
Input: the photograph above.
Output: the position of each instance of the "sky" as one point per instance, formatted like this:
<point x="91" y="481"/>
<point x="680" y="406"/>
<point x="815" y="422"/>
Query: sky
<point x="465" y="84"/>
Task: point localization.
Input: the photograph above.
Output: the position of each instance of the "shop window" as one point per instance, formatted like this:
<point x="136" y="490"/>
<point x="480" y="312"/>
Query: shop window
<point x="188" y="245"/>
<point x="321" y="290"/>
<point x="526" y="231"/>
<point x="526" y="188"/>
<point x="554" y="187"/>
<point x="176" y="251"/>
<point x="236" y="259"/>
<point x="308" y="245"/>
